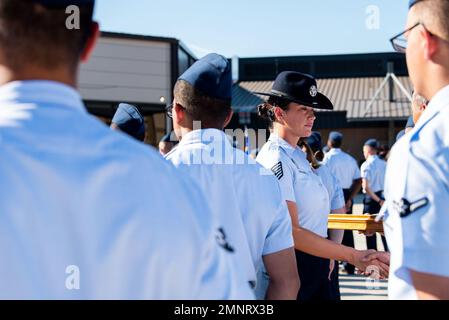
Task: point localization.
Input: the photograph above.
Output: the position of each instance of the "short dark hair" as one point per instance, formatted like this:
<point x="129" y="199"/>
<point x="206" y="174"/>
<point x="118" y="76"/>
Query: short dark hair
<point x="33" y="33"/>
<point x="212" y="112"/>
<point x="437" y="13"/>
<point x="335" y="143"/>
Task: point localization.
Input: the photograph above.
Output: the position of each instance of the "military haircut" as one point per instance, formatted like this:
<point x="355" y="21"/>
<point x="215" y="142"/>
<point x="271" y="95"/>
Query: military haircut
<point x="33" y="34"/>
<point x="212" y="112"/>
<point x="435" y="13"/>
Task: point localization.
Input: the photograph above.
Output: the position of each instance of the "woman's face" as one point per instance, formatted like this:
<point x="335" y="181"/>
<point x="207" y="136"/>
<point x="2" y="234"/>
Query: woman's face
<point x="299" y="120"/>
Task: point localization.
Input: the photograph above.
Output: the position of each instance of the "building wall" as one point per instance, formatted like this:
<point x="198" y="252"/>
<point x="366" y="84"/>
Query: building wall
<point x="127" y="70"/>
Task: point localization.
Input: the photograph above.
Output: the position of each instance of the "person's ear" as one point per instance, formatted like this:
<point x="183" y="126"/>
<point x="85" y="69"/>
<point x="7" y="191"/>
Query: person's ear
<point x="91" y="42"/>
<point x="179" y="113"/>
<point x="430" y="43"/>
<point x="421" y="108"/>
<point x="278" y="113"/>
<point x="228" y="118"/>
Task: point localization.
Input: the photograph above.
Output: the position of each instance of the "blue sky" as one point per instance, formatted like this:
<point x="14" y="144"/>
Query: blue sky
<point x="257" y="28"/>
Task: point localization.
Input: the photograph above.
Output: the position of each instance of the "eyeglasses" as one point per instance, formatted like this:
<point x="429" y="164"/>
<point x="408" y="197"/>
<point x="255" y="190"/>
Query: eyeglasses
<point x="169" y="110"/>
<point x="399" y="41"/>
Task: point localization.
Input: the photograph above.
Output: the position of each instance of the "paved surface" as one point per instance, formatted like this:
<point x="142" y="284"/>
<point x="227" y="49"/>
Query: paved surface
<point x="361" y="288"/>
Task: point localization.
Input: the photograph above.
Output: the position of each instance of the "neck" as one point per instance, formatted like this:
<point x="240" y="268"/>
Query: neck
<point x="438" y="78"/>
<point x="432" y="92"/>
<point x="61" y="75"/>
<point x="287" y="136"/>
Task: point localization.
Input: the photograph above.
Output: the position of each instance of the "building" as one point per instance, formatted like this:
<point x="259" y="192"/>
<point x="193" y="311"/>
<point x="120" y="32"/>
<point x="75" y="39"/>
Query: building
<point x="371" y="94"/>
<point x="142" y="70"/>
<point x="136" y="69"/>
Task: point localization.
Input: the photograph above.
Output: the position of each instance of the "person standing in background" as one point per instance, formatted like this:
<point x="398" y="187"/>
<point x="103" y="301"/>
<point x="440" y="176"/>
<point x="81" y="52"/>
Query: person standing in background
<point x="312" y="146"/>
<point x="129" y="120"/>
<point x="290" y="109"/>
<point x="167" y="143"/>
<point x="373" y="175"/>
<point x="345" y="168"/>
<point x="253" y="223"/>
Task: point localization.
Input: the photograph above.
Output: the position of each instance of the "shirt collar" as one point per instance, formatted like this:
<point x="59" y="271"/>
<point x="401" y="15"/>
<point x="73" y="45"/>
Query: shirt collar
<point x="41" y="91"/>
<point x="335" y="150"/>
<point x="438" y="102"/>
<point x="287" y="147"/>
<point x="206" y="136"/>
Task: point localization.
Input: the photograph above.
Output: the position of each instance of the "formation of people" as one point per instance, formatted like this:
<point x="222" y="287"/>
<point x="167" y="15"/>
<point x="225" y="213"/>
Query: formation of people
<point x="92" y="213"/>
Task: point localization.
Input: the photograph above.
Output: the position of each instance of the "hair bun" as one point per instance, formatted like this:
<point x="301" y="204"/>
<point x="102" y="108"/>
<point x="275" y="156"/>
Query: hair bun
<point x="265" y="111"/>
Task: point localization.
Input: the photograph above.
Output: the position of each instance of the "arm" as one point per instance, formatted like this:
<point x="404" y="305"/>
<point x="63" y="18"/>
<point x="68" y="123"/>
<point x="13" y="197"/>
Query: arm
<point x="355" y="189"/>
<point x="370" y="192"/>
<point x="430" y="286"/>
<point x="283" y="272"/>
<point x="313" y="244"/>
<point x="337" y="235"/>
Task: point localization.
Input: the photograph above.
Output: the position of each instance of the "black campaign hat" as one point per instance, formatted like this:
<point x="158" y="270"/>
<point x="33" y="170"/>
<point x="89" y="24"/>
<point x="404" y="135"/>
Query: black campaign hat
<point x="300" y="88"/>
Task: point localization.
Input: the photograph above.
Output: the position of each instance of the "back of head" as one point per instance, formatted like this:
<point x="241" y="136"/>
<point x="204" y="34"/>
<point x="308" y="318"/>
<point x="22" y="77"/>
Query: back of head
<point x="314" y="141"/>
<point x="371" y="147"/>
<point x="335" y="139"/>
<point x="434" y="14"/>
<point x="128" y="119"/>
<point x="205" y="91"/>
<point x="266" y="109"/>
<point x="427" y="50"/>
<point x="40" y="33"/>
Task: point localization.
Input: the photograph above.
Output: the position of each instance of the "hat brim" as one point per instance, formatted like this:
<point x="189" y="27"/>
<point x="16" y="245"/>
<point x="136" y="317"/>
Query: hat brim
<point x="320" y="101"/>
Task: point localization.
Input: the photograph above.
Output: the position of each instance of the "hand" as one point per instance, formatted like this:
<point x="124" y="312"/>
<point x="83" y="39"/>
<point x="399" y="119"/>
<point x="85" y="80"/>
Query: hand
<point x="364" y="260"/>
<point x="381" y="202"/>
<point x="348" y="205"/>
<point x="331" y="268"/>
<point x="383" y="258"/>
<point x="367" y="233"/>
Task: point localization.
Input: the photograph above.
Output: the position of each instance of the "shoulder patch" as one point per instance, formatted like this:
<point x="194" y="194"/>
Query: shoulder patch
<point x="277" y="170"/>
<point x="405" y="207"/>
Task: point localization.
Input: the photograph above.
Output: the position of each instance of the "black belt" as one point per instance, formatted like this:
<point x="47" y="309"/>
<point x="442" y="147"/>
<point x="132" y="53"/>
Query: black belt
<point x="347" y="194"/>
<point x="380" y="194"/>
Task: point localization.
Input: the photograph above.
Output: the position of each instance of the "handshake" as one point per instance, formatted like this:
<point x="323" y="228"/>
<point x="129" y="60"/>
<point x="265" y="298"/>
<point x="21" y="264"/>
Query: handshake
<point x="372" y="263"/>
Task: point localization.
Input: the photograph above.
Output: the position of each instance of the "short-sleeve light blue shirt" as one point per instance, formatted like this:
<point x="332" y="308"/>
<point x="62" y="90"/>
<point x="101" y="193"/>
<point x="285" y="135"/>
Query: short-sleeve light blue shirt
<point x="298" y="183"/>
<point x="244" y="199"/>
<point x="373" y="170"/>
<point x="343" y="167"/>
<point x="88" y="213"/>
<point x="336" y="196"/>
<point x="416" y="220"/>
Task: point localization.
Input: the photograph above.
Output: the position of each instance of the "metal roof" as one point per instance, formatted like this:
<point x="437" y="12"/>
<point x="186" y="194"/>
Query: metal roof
<point x="352" y="95"/>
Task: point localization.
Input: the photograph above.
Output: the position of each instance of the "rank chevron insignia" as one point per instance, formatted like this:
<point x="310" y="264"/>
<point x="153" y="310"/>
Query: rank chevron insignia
<point x="277" y="170"/>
